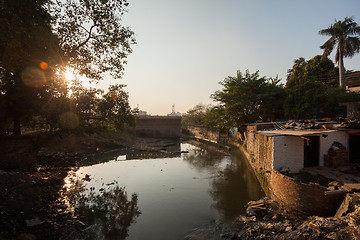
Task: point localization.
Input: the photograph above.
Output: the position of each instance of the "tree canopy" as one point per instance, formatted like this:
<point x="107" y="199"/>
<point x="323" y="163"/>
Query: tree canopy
<point x="40" y="39"/>
<point x="92" y="37"/>
<point x="248" y="98"/>
<point x="312" y="90"/>
<point x="346" y="35"/>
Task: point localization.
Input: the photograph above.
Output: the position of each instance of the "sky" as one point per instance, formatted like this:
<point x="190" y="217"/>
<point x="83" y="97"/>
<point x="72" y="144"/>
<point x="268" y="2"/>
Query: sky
<point x="186" y="47"/>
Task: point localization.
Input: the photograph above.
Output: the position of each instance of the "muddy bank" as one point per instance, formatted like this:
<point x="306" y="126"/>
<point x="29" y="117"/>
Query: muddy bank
<point x="29" y="197"/>
<point x="265" y="219"/>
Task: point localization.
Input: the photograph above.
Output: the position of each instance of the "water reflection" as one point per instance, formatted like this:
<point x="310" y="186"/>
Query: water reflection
<point x="177" y="194"/>
<point x="203" y="159"/>
<point x="166" y="150"/>
<point x="234" y="189"/>
<point x="234" y="185"/>
<point x="109" y="213"/>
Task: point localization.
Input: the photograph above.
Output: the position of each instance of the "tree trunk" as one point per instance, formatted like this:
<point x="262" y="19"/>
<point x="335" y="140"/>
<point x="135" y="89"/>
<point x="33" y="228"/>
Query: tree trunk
<point x="341" y="73"/>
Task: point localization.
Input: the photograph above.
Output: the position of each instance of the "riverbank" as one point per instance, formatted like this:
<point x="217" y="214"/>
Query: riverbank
<point x="29" y="199"/>
<point x="30" y="206"/>
<point x="267" y="219"/>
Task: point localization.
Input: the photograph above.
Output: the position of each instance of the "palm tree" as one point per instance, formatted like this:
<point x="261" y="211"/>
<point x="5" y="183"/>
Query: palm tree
<point x="346" y="35"/>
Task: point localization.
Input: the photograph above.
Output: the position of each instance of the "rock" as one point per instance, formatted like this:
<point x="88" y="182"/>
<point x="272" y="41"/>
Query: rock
<point x="33" y="222"/>
<point x="288" y="229"/>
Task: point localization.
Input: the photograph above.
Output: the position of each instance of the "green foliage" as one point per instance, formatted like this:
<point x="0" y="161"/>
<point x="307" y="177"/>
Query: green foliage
<point x="114" y="109"/>
<point x="312" y="91"/>
<point x="39" y="40"/>
<point x="206" y="116"/>
<point x="249" y="98"/>
<point x="92" y="37"/>
<point x="26" y="40"/>
<point x="346" y="34"/>
<point x="195" y="116"/>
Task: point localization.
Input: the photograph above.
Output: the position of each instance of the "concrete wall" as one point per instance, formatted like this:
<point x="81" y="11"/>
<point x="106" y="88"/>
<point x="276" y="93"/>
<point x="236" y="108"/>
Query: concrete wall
<point x="158" y="126"/>
<point x="288" y="152"/>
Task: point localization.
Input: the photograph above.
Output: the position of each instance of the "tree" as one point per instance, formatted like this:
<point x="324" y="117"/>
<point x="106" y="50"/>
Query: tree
<point x="92" y="37"/>
<point x="309" y="86"/>
<point x="39" y="39"/>
<point x="346" y="35"/>
<point x="29" y="51"/>
<point x="114" y="109"/>
<point x="249" y="98"/>
<point x="195" y="115"/>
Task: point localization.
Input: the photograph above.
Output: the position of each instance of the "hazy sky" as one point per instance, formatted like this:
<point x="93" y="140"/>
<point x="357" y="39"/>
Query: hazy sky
<point x="186" y="47"/>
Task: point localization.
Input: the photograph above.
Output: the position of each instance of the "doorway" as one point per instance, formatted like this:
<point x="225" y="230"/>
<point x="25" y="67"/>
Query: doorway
<point x="311" y="151"/>
<point x="354" y="150"/>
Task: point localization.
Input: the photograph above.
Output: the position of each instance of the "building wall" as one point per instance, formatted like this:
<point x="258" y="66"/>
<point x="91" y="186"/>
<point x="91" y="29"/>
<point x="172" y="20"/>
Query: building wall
<point x="288" y="152"/>
<point x="307" y="199"/>
<point x="325" y="143"/>
<point x="261" y="149"/>
<point x="158" y="126"/>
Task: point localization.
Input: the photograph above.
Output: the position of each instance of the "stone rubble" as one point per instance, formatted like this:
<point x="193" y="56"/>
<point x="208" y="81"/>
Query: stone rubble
<point x="267" y="220"/>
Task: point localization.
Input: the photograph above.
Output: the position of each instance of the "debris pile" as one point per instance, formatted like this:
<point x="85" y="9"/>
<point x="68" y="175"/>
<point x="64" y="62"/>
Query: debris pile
<point x="302" y="125"/>
<point x="267" y="220"/>
<point x="348" y="123"/>
<point x="337" y="156"/>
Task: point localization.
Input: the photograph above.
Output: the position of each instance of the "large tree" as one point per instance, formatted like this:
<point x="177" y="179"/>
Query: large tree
<point x="40" y="39"/>
<point x="309" y="86"/>
<point x="346" y="35"/>
<point x="249" y="98"/>
<point x="28" y="50"/>
<point x="92" y="35"/>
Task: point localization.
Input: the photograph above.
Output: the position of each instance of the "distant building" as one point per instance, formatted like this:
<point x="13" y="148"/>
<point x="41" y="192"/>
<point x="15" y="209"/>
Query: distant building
<point x="158" y="126"/>
<point x="142" y="113"/>
<point x="353" y="81"/>
<point x="173" y="113"/>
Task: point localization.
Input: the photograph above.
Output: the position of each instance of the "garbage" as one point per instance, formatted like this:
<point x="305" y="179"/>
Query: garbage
<point x="87" y="178"/>
<point x="336" y="146"/>
<point x="284" y="170"/>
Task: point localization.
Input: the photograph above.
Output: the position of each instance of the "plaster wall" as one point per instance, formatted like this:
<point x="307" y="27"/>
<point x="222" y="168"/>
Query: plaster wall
<point x="288" y="152"/>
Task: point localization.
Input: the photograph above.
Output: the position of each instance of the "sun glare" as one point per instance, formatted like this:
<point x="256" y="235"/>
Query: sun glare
<point x="69" y="74"/>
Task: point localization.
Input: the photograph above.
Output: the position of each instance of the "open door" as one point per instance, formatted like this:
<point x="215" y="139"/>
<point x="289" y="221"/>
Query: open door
<point x="311" y="151"/>
<point x="354" y="148"/>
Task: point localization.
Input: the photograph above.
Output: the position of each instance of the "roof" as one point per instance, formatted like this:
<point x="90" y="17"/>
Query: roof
<point x="297" y="133"/>
<point x="353" y="79"/>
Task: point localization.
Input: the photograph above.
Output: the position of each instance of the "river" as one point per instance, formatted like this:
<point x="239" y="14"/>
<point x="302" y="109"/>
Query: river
<point x="162" y="197"/>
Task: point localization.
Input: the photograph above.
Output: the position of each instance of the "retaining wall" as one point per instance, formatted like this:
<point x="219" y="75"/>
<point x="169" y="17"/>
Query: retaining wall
<point x="307" y="199"/>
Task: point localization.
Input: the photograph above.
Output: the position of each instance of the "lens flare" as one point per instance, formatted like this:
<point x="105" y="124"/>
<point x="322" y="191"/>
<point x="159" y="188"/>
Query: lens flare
<point x="44" y="65"/>
<point x="33" y="77"/>
<point x="69" y="120"/>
